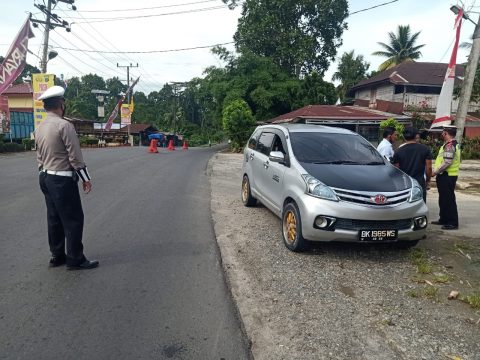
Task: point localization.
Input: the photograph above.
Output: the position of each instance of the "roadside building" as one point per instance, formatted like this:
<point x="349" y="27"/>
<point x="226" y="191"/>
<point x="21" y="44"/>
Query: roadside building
<point x="364" y="121"/>
<point x="412" y="87"/>
<point x="20" y="103"/>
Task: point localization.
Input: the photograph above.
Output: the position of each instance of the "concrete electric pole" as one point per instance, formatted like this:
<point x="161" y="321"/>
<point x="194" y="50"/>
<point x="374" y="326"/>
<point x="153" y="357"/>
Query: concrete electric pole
<point x="469" y="78"/>
<point x="128" y="76"/>
<point x="51" y="22"/>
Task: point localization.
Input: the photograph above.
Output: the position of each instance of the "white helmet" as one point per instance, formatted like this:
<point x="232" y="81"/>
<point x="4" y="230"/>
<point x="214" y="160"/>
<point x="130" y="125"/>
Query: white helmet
<point x="54" y="91"/>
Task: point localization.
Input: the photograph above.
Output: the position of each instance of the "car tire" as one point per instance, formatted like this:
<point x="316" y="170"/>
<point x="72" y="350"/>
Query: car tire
<point x="247" y="198"/>
<point x="292" y="228"/>
<point x="405" y="244"/>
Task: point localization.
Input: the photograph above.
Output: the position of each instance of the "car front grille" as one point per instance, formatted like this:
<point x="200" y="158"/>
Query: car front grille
<point x="369" y="198"/>
<point x="351" y="224"/>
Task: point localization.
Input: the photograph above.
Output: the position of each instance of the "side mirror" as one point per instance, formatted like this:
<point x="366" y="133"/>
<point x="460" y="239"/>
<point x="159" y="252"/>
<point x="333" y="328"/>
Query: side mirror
<point x="276" y="156"/>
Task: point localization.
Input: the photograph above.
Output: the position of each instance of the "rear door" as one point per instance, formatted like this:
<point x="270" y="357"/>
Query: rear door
<point x="260" y="162"/>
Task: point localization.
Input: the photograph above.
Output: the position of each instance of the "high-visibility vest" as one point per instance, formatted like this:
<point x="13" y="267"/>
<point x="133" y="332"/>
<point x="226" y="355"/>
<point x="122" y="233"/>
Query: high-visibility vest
<point x="454" y="167"/>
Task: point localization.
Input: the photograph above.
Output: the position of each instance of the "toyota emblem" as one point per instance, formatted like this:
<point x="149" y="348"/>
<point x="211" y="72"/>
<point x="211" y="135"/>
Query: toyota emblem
<point x="379" y="199"/>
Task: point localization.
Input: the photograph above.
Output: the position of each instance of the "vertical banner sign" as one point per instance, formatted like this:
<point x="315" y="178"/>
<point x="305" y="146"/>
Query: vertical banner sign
<point x="125" y="114"/>
<point x="40" y="82"/>
<point x="4" y="115"/>
<point x="14" y="62"/>
<point x="118" y="107"/>
<point x="443" y="114"/>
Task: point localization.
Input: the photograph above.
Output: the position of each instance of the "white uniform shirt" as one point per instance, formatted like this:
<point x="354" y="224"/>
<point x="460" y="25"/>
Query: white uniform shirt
<point x="385" y="148"/>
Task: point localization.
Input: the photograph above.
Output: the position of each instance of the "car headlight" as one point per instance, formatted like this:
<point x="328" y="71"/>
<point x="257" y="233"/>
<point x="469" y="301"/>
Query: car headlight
<point x="318" y="189"/>
<point x="417" y="193"/>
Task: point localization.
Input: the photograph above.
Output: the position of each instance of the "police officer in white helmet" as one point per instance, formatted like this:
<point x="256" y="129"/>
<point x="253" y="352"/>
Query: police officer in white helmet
<point x="61" y="165"/>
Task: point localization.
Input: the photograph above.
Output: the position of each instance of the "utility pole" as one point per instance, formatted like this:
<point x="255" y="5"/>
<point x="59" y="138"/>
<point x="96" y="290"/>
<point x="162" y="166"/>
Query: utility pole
<point x="128" y="95"/>
<point x="467" y="84"/>
<point x="51" y="22"/>
<point x="176" y="85"/>
<point x="128" y="76"/>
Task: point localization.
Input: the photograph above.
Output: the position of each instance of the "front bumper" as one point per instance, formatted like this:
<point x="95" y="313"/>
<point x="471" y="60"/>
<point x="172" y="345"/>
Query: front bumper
<point x="357" y="217"/>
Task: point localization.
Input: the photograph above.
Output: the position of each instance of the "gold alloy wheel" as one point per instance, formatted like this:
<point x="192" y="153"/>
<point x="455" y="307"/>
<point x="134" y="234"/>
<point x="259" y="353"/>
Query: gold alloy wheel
<point x="290" y="227"/>
<point x="245" y="190"/>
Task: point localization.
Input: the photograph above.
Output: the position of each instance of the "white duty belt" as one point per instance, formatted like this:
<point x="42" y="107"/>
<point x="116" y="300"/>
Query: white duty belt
<point x="59" y="172"/>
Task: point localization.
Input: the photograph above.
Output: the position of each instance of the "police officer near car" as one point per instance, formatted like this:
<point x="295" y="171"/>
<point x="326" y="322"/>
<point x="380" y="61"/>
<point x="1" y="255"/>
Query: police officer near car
<point x="61" y="166"/>
<point x="446" y="168"/>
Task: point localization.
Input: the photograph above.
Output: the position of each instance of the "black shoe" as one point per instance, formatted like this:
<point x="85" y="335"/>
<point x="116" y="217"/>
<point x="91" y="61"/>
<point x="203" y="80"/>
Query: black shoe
<point x="449" y="227"/>
<point x="56" y="261"/>
<point x="86" y="264"/>
<point x="436" y="222"/>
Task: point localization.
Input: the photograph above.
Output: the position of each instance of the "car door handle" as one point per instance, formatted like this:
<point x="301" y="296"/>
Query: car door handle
<point x="266" y="164"/>
<point x="252" y="155"/>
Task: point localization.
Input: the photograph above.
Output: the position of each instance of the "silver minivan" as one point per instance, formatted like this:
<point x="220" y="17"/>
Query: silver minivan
<point x="330" y="184"/>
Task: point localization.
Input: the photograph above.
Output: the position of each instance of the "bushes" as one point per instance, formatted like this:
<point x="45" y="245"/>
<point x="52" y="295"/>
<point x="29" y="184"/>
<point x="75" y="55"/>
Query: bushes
<point x="470" y="147"/>
<point x="10" y="147"/>
<point x="88" y="141"/>
<point x="238" y="123"/>
<point x="28" y="143"/>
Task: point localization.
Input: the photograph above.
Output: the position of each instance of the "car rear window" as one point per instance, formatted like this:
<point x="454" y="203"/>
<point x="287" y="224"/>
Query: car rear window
<point x="316" y="147"/>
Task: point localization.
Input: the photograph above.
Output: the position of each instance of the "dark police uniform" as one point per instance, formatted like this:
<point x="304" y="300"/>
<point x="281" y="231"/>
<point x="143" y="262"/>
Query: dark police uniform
<point x="61" y="164"/>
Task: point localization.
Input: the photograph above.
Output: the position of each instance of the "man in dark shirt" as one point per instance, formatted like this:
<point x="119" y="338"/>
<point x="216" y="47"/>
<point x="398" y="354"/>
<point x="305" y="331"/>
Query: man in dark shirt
<point x="414" y="159"/>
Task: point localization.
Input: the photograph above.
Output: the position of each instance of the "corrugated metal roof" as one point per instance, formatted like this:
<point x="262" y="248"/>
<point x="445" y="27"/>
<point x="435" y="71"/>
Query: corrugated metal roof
<point x="19" y="89"/>
<point x="335" y="112"/>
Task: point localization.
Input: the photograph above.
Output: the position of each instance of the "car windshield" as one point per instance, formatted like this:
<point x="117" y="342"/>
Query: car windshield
<point x="328" y="148"/>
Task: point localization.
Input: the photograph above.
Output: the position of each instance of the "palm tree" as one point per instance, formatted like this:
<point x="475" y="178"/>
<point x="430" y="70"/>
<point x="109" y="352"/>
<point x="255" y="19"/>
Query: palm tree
<point x="351" y="70"/>
<point x="400" y="48"/>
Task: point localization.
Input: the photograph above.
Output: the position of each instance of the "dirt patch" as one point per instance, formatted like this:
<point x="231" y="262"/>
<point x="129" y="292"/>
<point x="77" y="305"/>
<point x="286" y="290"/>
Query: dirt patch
<point x="341" y="301"/>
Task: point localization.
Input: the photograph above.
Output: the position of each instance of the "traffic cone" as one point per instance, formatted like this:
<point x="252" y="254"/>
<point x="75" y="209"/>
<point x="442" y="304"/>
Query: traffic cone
<point x="170" y="145"/>
<point x="153" y="146"/>
<point x="185" y="145"/>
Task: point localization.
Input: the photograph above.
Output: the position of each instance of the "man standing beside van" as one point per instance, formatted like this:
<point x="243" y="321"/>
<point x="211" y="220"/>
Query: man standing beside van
<point x="385" y="148"/>
<point x="414" y="159"/>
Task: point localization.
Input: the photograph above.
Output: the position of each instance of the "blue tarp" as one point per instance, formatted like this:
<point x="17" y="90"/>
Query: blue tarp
<point x="156" y="136"/>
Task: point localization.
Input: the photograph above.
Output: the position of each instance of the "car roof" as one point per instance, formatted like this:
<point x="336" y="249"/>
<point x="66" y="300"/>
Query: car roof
<point x="310" y="128"/>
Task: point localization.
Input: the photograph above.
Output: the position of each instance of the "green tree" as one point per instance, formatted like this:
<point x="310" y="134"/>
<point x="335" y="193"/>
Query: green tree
<point x="351" y="70"/>
<point x="401" y="48"/>
<point x="299" y="36"/>
<point x="238" y="122"/>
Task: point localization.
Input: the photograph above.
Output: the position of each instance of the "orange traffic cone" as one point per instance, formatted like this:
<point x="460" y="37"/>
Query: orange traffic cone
<point x="153" y="146"/>
<point x="185" y="145"/>
<point x="170" y="145"/>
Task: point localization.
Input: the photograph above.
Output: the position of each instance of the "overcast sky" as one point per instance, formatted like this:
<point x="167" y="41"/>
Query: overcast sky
<point x="199" y="23"/>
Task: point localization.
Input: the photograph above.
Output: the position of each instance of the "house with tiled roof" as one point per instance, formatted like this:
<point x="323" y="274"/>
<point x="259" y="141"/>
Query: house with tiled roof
<point x="410" y="86"/>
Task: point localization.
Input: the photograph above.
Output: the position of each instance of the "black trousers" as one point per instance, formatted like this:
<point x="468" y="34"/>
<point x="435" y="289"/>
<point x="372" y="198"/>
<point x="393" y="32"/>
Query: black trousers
<point x="64" y="216"/>
<point x="446" y="199"/>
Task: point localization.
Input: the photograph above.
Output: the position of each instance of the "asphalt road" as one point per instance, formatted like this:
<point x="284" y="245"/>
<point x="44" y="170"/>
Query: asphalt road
<point x="159" y="292"/>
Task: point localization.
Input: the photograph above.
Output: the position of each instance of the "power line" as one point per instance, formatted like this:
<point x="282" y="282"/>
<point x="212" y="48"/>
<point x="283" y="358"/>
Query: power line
<point x="373" y="7"/>
<point x="147" y="52"/>
<point x="147" y="16"/>
<point x="150" y="8"/>
<point x="110" y="45"/>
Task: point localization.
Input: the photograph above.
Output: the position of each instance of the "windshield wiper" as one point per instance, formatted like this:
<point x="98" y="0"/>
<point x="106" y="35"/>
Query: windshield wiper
<point x="374" y="163"/>
<point x="338" y="162"/>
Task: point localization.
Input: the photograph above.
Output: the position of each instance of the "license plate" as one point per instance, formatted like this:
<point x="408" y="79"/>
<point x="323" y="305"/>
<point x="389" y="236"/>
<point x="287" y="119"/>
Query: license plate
<point x="378" y="235"/>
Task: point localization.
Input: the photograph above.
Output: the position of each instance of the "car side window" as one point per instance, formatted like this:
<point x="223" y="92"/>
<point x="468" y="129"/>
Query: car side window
<point x="265" y="143"/>
<point x="252" y="143"/>
<point x="278" y="145"/>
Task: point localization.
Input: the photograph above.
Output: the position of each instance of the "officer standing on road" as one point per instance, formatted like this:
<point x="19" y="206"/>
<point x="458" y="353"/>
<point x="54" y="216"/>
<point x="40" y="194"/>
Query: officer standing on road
<point x="61" y="164"/>
<point x="446" y="170"/>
